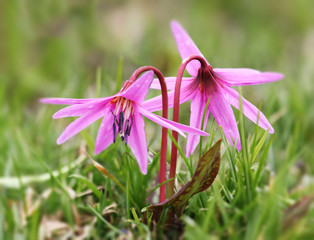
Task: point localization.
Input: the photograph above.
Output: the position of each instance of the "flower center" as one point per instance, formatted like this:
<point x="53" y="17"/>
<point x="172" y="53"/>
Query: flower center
<point x="206" y="80"/>
<point x="122" y="118"/>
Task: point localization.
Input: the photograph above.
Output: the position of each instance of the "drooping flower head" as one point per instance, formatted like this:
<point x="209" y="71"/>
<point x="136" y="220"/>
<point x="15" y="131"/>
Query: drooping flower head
<point x="121" y="116"/>
<point x="213" y="84"/>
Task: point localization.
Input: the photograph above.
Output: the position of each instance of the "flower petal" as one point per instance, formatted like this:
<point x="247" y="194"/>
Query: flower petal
<point x="138" y="90"/>
<point x="105" y="133"/>
<point x="186" y="47"/>
<point x="79" y="124"/>
<point x="222" y="111"/>
<point x="249" y="110"/>
<point x="78" y="110"/>
<point x="198" y="104"/>
<point x="245" y="76"/>
<point x="155" y="104"/>
<point x="171" y="82"/>
<point x="178" y="127"/>
<point x="137" y="142"/>
<point x="68" y="101"/>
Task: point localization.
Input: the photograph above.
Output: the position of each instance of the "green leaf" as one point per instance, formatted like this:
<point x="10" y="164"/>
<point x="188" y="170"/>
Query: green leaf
<point x="203" y="177"/>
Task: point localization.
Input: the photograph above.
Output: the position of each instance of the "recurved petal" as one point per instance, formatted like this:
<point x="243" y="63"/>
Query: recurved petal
<point x="224" y="116"/>
<point x="138" y="90"/>
<point x="198" y="104"/>
<point x="249" y="110"/>
<point x="105" y="133"/>
<point x="155" y="104"/>
<point x="178" y="127"/>
<point x="171" y="82"/>
<point x="137" y="142"/>
<point x="78" y="110"/>
<point x="245" y="76"/>
<point x="79" y="124"/>
<point x="68" y="101"/>
<point x="186" y="47"/>
<point x="157" y="119"/>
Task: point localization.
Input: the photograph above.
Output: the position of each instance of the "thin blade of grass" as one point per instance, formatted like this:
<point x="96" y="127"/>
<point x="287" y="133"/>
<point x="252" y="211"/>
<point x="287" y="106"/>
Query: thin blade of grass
<point x="14" y="182"/>
<point x="142" y="226"/>
<point x="245" y="155"/>
<point x="259" y="146"/>
<point x="105" y="172"/>
<point x="188" y="165"/>
<point x="156" y="187"/>
<point x="231" y="159"/>
<point x="128" y="216"/>
<point x="256" y="126"/>
<point x="110" y="226"/>
<point x="202" y="127"/>
<point x="261" y="164"/>
<point x="89" y="184"/>
<point x="55" y="178"/>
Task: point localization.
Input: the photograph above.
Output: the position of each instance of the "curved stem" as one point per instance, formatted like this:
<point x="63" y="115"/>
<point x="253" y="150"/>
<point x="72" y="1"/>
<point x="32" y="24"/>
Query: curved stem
<point x="163" y="150"/>
<point x="176" y="103"/>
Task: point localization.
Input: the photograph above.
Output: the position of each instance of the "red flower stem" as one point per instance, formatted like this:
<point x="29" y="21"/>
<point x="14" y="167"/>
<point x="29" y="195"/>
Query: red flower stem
<point x="163" y="151"/>
<point x="176" y="104"/>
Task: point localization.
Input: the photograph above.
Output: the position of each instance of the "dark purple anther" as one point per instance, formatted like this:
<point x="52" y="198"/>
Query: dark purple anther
<point x="114" y="129"/>
<point x="121" y="119"/>
<point x="128" y="130"/>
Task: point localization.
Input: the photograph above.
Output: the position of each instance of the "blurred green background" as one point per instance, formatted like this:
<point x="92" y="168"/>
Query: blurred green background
<point x="54" y="48"/>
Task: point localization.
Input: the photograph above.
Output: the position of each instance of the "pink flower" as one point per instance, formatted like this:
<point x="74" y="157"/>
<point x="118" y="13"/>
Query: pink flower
<point x="215" y="84"/>
<point x="121" y="113"/>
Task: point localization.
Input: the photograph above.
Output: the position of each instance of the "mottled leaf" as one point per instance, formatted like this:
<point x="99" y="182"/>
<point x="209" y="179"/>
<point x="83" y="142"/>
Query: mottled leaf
<point x="203" y="177"/>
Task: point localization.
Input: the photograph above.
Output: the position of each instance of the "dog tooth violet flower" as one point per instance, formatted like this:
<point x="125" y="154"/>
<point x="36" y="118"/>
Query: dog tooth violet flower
<point x="214" y="84"/>
<point x="122" y="115"/>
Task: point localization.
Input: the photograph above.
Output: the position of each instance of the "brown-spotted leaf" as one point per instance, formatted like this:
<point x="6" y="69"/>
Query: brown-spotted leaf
<point x="204" y="175"/>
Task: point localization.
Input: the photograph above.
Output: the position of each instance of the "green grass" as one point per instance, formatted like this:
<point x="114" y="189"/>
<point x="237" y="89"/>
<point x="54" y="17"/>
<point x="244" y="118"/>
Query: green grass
<point x="87" y="49"/>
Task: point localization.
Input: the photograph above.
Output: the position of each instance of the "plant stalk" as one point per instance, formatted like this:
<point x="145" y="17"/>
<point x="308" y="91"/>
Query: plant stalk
<point x="176" y="103"/>
<point x="163" y="150"/>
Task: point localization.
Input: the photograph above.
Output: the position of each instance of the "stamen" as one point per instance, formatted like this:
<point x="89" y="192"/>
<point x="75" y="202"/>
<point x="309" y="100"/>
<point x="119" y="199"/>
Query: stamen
<point x="124" y="105"/>
<point x="128" y="131"/>
<point x="114" y="129"/>
<point x="121" y="119"/>
<point x="114" y="118"/>
<point x="127" y="128"/>
<point x="118" y="106"/>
